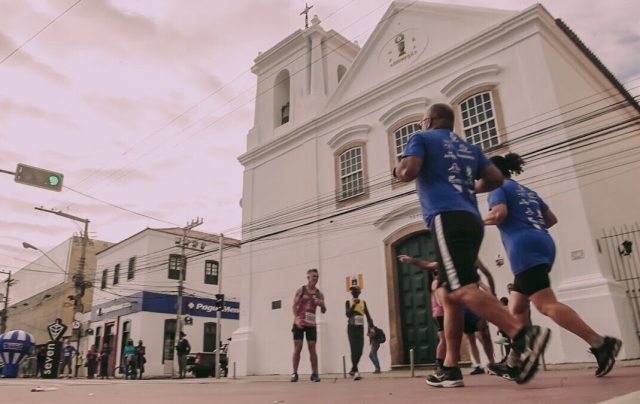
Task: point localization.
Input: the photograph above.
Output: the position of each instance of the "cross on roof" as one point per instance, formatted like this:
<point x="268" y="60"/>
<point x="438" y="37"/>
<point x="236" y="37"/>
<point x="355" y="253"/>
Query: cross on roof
<point x="306" y="14"/>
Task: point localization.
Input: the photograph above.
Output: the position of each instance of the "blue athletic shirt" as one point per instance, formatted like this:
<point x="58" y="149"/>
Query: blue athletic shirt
<point x="523" y="231"/>
<point x="450" y="167"/>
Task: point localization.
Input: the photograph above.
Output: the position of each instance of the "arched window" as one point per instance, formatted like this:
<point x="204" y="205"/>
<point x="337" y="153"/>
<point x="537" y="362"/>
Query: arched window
<point x="351" y="173"/>
<point x="401" y="136"/>
<point x="478" y="118"/>
<point x="341" y="71"/>
<point x="281" y="98"/>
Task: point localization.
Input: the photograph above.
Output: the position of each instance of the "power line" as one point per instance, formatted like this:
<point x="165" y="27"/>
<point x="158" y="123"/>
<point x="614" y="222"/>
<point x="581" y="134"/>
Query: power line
<point x="40" y="31"/>
<point x="224" y="105"/>
<point x="120" y="207"/>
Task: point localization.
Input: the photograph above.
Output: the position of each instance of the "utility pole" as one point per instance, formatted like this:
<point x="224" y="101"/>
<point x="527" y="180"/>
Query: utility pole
<point x="3" y="317"/>
<point x="220" y="307"/>
<point x="183" y="267"/>
<point x="78" y="279"/>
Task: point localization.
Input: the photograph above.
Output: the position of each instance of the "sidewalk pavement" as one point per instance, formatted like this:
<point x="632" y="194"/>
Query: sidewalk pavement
<point x="553" y="386"/>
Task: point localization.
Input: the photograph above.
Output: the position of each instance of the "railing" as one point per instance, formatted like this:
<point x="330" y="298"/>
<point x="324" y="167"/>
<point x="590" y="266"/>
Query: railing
<point x="623" y="249"/>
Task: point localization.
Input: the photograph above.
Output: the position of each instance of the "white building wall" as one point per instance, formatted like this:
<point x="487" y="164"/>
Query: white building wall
<point x="152" y="249"/>
<point x="41" y="274"/>
<point x="538" y="74"/>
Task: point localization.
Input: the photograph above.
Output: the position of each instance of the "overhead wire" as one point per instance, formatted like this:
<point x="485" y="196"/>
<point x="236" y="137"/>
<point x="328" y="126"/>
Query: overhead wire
<point x="32" y="37"/>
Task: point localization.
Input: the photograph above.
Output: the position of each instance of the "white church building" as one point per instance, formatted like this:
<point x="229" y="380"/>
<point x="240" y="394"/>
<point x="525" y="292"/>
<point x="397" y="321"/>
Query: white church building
<point x="331" y="119"/>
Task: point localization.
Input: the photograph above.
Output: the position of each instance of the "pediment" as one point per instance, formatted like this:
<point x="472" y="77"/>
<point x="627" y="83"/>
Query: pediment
<point x="407" y="34"/>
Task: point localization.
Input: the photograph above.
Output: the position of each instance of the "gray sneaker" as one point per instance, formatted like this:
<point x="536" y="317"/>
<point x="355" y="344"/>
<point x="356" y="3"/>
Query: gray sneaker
<point x="529" y="347"/>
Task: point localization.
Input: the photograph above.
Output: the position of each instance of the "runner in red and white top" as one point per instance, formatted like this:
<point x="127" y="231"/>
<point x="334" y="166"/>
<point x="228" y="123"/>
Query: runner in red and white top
<point x="305" y="303"/>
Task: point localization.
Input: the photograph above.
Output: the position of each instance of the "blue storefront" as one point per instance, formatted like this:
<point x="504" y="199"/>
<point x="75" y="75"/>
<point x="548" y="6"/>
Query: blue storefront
<point x="151" y="317"/>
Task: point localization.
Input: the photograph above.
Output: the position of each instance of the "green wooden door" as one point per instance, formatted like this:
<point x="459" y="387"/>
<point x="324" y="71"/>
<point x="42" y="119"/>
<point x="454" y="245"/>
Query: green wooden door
<point x="418" y="329"/>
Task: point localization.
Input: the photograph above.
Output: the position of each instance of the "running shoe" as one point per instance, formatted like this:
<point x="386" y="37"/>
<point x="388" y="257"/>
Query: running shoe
<point x="447" y="377"/>
<point x="356" y="376"/>
<point x="314" y="377"/>
<point x="606" y="355"/>
<point x="377" y="370"/>
<point x="529" y="347"/>
<point x="502" y="369"/>
<point x="352" y="372"/>
<point x="294" y="377"/>
<point x="477" y="371"/>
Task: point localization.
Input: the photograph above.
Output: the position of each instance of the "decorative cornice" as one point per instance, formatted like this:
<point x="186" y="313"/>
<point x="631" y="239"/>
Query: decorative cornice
<point x="358" y="132"/>
<point x="461" y="82"/>
<point x="412" y="106"/>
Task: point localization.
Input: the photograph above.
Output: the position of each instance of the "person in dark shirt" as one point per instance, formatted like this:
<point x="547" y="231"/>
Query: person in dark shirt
<point x="141" y="352"/>
<point x="182" y="349"/>
<point x="68" y="352"/>
<point x="104" y="360"/>
<point x="92" y="361"/>
<point x="356" y="311"/>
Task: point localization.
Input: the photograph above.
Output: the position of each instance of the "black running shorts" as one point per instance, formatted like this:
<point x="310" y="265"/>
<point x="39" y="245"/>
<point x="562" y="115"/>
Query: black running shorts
<point x="298" y="333"/>
<point x="458" y="236"/>
<point x="532" y="280"/>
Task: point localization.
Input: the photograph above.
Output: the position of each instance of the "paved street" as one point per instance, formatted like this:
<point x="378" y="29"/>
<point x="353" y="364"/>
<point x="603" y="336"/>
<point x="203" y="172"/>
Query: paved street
<point x="558" y="386"/>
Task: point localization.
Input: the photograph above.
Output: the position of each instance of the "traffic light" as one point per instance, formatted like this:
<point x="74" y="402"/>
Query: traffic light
<point x="220" y="302"/>
<point x="38" y="177"/>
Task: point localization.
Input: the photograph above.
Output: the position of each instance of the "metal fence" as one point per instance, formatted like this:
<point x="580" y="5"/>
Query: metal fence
<point x="623" y="249"/>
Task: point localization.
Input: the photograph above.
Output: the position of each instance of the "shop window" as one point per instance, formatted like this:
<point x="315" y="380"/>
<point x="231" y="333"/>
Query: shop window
<point x="169" y="339"/>
<point x="126" y="333"/>
<point x="98" y="338"/>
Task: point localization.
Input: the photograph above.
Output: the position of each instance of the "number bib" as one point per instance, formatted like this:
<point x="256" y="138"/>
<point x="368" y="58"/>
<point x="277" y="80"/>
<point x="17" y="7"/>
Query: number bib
<point x="358" y="320"/>
<point x="310" y="318"/>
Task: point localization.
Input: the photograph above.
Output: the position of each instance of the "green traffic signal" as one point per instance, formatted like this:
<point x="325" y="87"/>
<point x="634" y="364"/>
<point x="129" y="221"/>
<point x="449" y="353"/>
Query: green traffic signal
<point x="38" y="177"/>
<point x="54" y="180"/>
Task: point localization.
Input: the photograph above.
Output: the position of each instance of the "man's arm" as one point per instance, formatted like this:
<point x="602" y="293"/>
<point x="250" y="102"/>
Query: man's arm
<point x="490" y="179"/>
<point x="496" y="215"/>
<point x="487" y="275"/>
<point x="424" y="264"/>
<point x="408" y="169"/>
<point x="320" y="302"/>
<point x="296" y="301"/>
<point x="549" y="218"/>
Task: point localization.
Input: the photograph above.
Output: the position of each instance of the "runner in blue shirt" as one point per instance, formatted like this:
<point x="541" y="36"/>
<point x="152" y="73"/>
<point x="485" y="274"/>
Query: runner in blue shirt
<point x="449" y="172"/>
<point x="523" y="219"/>
<point x="68" y="353"/>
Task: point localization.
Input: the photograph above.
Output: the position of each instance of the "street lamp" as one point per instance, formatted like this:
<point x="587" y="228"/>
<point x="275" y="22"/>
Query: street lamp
<point x="32" y="247"/>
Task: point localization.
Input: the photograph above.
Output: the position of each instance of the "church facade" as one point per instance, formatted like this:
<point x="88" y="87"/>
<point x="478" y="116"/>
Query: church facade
<point x="332" y="119"/>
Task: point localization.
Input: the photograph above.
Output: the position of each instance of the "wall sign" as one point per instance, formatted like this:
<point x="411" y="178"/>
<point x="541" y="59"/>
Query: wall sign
<point x="403" y="48"/>
<point x="52" y="349"/>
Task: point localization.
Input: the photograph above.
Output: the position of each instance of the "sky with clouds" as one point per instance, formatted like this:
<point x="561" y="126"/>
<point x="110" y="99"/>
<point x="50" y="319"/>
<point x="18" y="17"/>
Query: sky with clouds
<point x="145" y="104"/>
